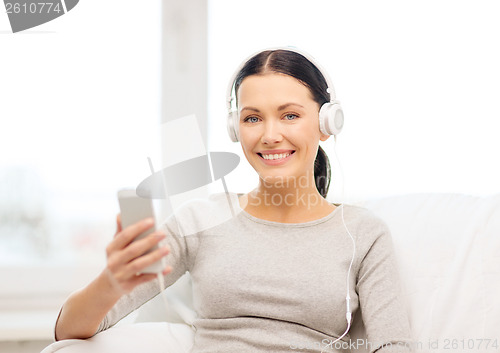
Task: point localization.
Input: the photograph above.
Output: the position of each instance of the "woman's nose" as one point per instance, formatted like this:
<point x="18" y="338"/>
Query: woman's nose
<point x="272" y="132"/>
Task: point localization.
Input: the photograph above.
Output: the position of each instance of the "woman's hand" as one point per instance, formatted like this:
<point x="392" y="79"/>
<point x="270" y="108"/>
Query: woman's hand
<point x="124" y="260"/>
<point x="85" y="309"/>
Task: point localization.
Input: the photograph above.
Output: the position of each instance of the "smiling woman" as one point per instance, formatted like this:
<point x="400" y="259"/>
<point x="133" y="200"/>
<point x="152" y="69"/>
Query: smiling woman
<point x="280" y="96"/>
<point x="285" y="105"/>
<point x="279" y="270"/>
<point x="280" y="140"/>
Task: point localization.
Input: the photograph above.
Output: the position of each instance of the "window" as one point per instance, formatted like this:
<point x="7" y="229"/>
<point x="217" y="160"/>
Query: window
<point x="79" y="110"/>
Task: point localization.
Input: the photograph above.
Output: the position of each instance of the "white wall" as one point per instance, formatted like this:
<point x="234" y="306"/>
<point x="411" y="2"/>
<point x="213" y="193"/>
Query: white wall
<point x="418" y="83"/>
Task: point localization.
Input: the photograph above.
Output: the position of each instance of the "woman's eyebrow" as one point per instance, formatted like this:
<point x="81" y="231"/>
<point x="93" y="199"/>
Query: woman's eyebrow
<point x="281" y="107"/>
<point x="286" y="105"/>
<point x="250" y="108"/>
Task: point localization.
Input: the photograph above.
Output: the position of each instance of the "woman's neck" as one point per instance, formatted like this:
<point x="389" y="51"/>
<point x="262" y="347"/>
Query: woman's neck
<point x="286" y="203"/>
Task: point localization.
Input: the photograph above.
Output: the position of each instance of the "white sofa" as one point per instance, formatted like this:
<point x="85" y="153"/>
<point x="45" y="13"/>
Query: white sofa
<point x="448" y="248"/>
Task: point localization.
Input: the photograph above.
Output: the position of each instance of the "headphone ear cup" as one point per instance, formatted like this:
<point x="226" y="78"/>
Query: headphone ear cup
<point x="232" y="130"/>
<point x="331" y="118"/>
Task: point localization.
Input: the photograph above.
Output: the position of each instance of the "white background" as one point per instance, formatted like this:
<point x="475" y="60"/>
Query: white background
<point x="418" y="82"/>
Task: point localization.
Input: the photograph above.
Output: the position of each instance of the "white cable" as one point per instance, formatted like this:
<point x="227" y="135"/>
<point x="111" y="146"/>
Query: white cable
<point x="161" y="280"/>
<point x="161" y="284"/>
<point x="348" y="297"/>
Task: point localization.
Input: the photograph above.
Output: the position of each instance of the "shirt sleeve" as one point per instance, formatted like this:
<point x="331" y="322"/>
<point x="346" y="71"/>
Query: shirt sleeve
<point x="180" y="258"/>
<point x="379" y="290"/>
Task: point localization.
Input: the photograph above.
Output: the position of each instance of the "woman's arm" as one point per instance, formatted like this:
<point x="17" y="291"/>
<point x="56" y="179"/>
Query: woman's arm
<point x="379" y="289"/>
<point x="85" y="309"/>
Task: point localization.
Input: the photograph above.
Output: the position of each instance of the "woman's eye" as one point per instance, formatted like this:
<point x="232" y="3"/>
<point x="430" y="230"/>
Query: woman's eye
<point x="287" y="117"/>
<point x="251" y="117"/>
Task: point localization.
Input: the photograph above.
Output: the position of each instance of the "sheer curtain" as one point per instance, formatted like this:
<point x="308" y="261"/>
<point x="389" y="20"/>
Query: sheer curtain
<point x="418" y="84"/>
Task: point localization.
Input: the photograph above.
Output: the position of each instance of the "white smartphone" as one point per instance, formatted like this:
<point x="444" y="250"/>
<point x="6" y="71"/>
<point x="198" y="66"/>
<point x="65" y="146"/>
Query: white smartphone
<point x="134" y="209"/>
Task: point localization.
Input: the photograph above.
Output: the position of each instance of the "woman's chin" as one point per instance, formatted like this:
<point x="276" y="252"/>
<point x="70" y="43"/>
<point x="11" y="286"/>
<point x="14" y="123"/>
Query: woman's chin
<point x="278" y="180"/>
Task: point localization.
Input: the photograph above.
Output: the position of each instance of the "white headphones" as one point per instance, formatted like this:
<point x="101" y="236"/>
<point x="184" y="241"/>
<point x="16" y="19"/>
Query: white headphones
<point x="331" y="116"/>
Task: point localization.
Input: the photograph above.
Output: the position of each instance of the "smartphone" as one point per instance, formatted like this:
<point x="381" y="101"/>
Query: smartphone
<point x="134" y="209"/>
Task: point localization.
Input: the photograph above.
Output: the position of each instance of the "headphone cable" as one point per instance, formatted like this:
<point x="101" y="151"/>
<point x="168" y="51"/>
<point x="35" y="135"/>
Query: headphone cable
<point x="348" y="297"/>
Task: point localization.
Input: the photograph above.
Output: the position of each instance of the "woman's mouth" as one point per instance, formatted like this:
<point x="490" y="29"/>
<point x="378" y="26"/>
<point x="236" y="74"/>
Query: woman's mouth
<point x="276" y="159"/>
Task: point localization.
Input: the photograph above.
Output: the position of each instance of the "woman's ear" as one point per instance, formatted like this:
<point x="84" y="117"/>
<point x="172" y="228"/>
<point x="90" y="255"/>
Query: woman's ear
<point x="324" y="137"/>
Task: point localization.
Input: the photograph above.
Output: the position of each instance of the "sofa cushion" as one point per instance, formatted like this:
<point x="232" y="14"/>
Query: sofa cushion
<point x="448" y="249"/>
<point x="151" y="337"/>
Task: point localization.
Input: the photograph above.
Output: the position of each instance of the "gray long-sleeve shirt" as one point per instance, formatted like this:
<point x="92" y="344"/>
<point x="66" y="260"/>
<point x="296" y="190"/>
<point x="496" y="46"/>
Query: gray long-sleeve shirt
<point x="261" y="286"/>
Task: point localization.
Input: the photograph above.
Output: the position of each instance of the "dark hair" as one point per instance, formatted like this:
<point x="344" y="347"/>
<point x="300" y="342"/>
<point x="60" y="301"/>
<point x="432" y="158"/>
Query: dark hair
<point x="296" y="65"/>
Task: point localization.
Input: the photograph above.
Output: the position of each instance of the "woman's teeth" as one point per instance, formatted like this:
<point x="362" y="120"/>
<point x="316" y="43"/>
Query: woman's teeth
<point x="275" y="156"/>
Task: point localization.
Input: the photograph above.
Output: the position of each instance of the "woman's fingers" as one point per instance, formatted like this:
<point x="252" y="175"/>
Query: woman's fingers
<point x="123" y="285"/>
<point x="127" y="235"/>
<point x="166" y="270"/>
<point x="140" y="247"/>
<point x="146" y="277"/>
<point x="126" y="258"/>
<point x="125" y="277"/>
<point x="142" y="278"/>
<point x="137" y="265"/>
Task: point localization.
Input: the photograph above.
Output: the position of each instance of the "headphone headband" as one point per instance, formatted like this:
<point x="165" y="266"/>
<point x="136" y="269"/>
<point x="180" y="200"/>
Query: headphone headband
<point x="229" y="91"/>
<point x="331" y="117"/>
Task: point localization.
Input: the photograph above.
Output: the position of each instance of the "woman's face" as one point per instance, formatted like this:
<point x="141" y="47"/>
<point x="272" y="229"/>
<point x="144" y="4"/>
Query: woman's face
<point x="278" y="116"/>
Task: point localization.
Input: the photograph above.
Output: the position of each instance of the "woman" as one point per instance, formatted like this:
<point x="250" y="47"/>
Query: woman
<point x="272" y="278"/>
